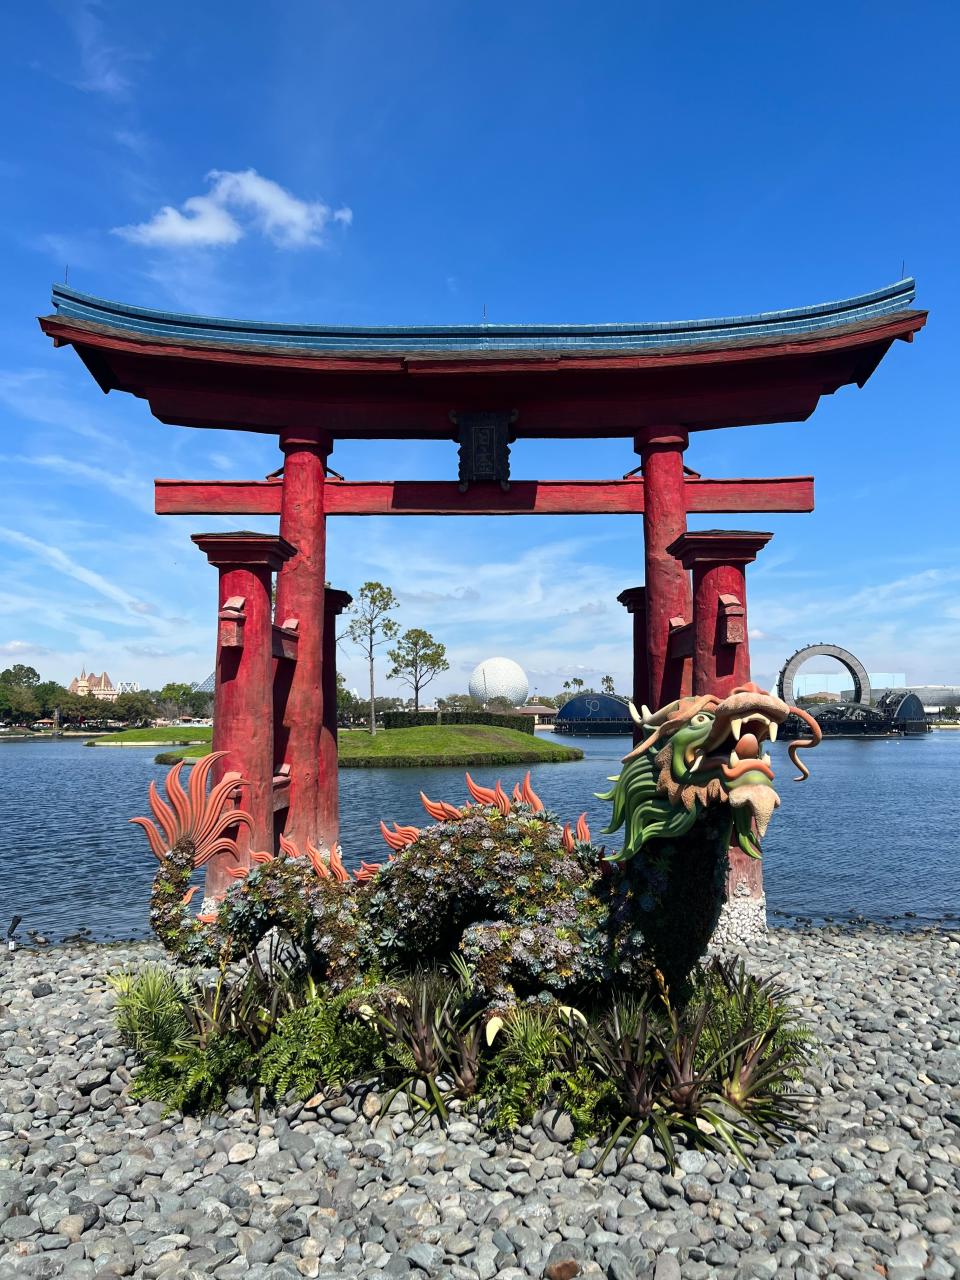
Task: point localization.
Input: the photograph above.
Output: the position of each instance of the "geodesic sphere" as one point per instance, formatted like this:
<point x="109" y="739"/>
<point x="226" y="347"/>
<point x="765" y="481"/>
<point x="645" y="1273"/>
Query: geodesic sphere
<point x="499" y="678"/>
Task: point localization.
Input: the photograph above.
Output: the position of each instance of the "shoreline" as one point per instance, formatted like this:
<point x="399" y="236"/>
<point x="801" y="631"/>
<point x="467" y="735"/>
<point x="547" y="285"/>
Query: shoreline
<point x="328" y="1189"/>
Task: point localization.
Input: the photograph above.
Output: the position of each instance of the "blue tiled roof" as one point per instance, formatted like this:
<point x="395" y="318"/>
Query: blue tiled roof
<point x="571" y="338"/>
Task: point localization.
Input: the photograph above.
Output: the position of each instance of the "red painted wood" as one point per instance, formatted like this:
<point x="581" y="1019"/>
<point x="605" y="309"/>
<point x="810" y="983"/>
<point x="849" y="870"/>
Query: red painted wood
<point x="334" y="604"/>
<point x="667" y="582"/>
<point x="718" y="559"/>
<point x="243" y="710"/>
<point x="556" y="395"/>
<point x="534" y="497"/>
<point x="311" y="815"/>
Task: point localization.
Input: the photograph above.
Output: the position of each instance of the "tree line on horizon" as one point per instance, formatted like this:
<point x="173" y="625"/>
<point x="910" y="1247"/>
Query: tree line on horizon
<point x="25" y="698"/>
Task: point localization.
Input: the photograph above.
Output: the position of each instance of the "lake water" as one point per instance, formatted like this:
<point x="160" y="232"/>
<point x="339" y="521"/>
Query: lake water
<point x="872" y="834"/>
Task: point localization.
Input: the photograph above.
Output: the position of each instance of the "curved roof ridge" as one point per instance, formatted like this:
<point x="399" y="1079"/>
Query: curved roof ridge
<point x="173" y="326"/>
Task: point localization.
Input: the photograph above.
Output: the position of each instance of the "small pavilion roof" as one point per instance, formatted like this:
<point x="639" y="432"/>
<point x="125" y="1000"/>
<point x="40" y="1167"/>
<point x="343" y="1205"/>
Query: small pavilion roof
<point x="84" y="311"/>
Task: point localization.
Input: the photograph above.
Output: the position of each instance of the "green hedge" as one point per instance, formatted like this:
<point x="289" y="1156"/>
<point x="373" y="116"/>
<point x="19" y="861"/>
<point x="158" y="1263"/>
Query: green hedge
<point x="414" y="719"/>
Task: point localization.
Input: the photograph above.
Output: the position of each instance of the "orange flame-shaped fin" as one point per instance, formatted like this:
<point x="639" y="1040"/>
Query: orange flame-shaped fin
<point x="209" y="917"/>
<point x="501" y="799"/>
<point x="189" y="894"/>
<point x="482" y="795"/>
<point x="567" y="838"/>
<point x="583" y="831"/>
<point x="439" y="810"/>
<point x="530" y="796"/>
<point x="260" y="856"/>
<point x="238" y="873"/>
<point x="367" y="871"/>
<point x="399" y="837"/>
<point x="337" y="869"/>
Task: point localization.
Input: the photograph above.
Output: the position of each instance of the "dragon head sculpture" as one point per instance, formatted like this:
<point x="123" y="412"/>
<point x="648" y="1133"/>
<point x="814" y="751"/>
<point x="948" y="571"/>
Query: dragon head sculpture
<point x="702" y="751"/>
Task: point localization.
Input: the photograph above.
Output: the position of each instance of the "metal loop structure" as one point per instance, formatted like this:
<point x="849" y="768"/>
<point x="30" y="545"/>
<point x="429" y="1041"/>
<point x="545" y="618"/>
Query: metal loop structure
<point x="861" y="681"/>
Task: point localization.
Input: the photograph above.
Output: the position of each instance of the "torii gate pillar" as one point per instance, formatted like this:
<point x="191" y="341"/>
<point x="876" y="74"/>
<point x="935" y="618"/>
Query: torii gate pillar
<point x="721" y="662"/>
<point x="298" y="731"/>
<point x="334" y="603"/>
<point x="243" y="696"/>
<point x="667" y="583"/>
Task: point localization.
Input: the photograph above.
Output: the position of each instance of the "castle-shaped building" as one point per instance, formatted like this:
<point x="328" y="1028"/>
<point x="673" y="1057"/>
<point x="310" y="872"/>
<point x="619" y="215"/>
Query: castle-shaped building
<point x="94" y="686"/>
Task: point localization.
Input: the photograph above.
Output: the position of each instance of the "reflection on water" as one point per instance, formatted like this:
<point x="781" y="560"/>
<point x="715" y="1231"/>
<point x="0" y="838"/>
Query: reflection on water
<point x="873" y="833"/>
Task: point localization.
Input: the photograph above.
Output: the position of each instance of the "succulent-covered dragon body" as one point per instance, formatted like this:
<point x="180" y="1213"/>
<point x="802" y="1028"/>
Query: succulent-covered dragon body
<point x="533" y="904"/>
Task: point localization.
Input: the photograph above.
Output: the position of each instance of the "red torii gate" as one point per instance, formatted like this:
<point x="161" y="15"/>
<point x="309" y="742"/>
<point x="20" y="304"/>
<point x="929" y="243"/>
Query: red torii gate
<point x="482" y="386"/>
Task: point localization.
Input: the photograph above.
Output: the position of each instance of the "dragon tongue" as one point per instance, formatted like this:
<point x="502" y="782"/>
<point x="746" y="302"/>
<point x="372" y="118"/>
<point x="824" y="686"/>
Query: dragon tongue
<point x="748" y="748"/>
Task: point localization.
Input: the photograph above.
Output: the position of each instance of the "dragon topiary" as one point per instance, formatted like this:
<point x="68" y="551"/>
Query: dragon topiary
<point x="534" y="905"/>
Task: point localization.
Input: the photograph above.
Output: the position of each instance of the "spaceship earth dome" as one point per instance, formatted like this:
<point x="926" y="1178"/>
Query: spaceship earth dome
<point x="499" y="678"/>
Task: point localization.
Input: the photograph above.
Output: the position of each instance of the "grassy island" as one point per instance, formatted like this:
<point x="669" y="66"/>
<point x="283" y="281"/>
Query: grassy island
<point x="425" y="745"/>
<point x="175" y="735"/>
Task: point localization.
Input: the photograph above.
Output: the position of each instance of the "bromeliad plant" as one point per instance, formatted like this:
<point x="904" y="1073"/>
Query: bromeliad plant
<point x="431" y="1025"/>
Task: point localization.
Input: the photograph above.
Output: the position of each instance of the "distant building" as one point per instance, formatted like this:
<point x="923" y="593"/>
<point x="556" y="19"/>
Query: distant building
<point x="811" y="684"/>
<point x="94" y="686"/>
<point x="594" y="714"/>
<point x="936" y="698"/>
<point x="541" y="714"/>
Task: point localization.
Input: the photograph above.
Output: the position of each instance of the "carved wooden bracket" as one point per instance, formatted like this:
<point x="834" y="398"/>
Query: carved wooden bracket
<point x="680" y="639"/>
<point x="285" y="638"/>
<point x="231" y="619"/>
<point x="732" y="617"/>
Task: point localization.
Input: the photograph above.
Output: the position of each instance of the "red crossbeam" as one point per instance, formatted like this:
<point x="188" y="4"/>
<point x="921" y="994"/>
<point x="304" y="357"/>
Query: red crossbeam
<point x="443" y="497"/>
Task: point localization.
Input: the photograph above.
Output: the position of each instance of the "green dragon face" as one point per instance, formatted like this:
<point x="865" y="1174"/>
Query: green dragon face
<point x="702" y="751"/>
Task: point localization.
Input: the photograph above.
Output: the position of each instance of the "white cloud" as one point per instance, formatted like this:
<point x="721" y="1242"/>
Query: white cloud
<point x="20" y="649"/>
<point x="62" y="563"/>
<point x="235" y="203"/>
<point x="100" y="61"/>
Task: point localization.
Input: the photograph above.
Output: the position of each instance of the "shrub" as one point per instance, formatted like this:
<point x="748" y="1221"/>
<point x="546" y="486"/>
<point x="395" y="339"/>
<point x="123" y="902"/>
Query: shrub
<point x="325" y="1043"/>
<point x="414" y="719"/>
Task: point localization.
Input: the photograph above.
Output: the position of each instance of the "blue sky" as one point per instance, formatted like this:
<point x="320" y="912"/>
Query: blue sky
<point x="549" y="160"/>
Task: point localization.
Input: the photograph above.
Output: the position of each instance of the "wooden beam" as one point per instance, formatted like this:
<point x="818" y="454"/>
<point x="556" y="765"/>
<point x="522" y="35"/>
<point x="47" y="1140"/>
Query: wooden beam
<point x="443" y="497"/>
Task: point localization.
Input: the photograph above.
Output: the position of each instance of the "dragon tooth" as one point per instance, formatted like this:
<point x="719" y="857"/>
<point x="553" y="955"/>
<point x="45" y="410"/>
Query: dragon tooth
<point x="773" y="730"/>
<point x="734" y="758"/>
<point x="698" y="761"/>
<point x="736" y="724"/>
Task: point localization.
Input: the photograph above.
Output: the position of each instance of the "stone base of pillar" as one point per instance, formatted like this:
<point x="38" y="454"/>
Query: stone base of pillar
<point x="743" y="921"/>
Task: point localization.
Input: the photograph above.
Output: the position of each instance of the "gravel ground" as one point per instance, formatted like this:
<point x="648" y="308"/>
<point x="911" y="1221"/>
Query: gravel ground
<point x="94" y="1185"/>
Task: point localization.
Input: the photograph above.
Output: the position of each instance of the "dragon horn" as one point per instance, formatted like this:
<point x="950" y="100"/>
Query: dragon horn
<point x="804" y="744"/>
<point x="482" y="795"/>
<point x="635" y="714"/>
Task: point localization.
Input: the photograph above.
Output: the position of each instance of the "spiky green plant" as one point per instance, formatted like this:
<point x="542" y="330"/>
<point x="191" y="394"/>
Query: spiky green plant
<point x="757" y="1046"/>
<point x="152" y="1011"/>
